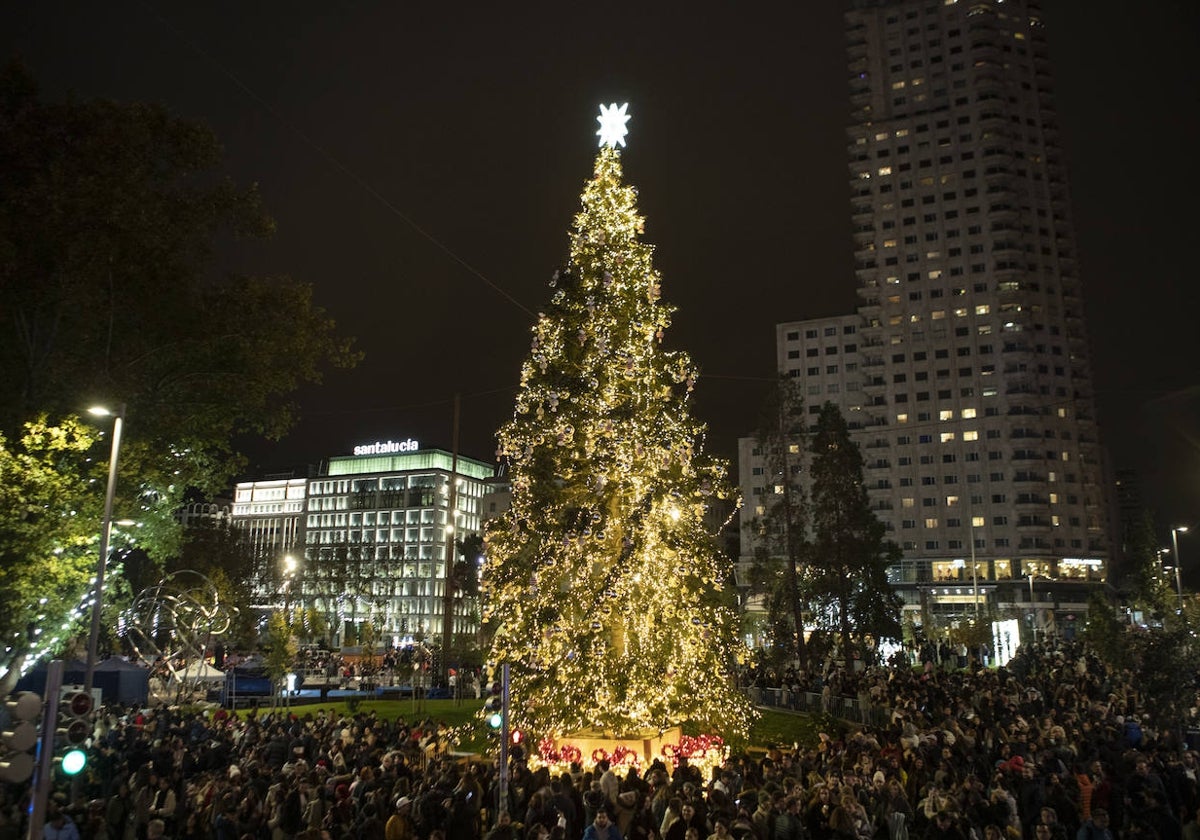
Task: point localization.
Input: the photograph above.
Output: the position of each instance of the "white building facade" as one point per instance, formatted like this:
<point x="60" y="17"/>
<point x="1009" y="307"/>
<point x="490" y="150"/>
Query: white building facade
<point x="373" y="539"/>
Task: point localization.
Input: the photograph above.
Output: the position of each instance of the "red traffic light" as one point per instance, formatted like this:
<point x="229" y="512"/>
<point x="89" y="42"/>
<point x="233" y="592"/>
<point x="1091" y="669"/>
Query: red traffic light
<point x="517" y="736"/>
<point x="79" y="703"/>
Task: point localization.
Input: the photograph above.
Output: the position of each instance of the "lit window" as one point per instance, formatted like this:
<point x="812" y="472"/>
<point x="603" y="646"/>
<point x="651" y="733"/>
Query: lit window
<point x="947" y="437"/>
<point x="976" y="521"/>
<point x="968" y="413"/>
<point x="935" y="274"/>
<point x="983" y="309"/>
<point x="938" y="314"/>
<point x="971" y="435"/>
<point x="960" y="313"/>
<point x="901" y="418"/>
<point x="931" y="522"/>
<point x="951" y="501"/>
<point x="881" y="135"/>
<point x="946" y="414"/>
<point x="907" y="503"/>
<point x="885" y="170"/>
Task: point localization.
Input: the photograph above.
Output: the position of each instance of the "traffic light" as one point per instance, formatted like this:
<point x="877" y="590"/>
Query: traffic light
<point x="18" y="740"/>
<point x="494" y="707"/>
<point x="74" y="728"/>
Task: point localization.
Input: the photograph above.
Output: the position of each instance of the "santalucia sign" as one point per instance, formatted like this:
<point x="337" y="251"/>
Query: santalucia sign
<point x="389" y="447"/>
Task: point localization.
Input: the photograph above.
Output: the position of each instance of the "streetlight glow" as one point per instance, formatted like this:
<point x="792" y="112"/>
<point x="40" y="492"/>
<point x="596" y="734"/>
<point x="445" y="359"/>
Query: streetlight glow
<point x="105" y="533"/>
<point x="1176" y="530"/>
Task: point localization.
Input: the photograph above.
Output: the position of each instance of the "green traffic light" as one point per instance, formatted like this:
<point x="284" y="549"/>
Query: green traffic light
<point x="494" y="720"/>
<point x="73" y="761"/>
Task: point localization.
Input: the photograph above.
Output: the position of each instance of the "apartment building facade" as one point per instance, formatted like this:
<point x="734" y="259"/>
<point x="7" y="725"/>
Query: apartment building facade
<point x="969" y="386"/>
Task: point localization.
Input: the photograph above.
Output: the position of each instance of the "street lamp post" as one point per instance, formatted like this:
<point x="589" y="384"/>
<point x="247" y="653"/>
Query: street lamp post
<point x="289" y="573"/>
<point x="1175" y="532"/>
<point x="105" y="531"/>
<point x="1032" y="609"/>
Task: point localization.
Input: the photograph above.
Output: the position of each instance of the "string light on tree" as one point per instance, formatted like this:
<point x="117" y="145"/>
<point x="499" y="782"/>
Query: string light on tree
<point x="604" y="587"/>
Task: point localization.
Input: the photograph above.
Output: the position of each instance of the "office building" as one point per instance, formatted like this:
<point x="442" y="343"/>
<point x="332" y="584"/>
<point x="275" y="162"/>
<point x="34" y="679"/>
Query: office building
<point x="369" y="540"/>
<point x="971" y="391"/>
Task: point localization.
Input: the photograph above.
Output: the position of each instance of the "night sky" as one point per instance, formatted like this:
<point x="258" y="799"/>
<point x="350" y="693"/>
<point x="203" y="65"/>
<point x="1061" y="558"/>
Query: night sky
<point x="424" y="162"/>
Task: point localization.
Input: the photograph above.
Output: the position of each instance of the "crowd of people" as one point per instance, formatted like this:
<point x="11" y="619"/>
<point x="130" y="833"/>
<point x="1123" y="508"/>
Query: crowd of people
<point x="1057" y="746"/>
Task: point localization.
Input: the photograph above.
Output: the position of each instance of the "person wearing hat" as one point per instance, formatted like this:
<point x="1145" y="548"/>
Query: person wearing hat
<point x="400" y="823"/>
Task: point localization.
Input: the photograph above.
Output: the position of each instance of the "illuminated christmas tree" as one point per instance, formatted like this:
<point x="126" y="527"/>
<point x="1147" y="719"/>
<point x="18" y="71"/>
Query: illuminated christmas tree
<point x="606" y="592"/>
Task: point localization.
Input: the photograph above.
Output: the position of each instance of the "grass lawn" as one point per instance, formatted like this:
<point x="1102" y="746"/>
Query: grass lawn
<point x="774" y="728"/>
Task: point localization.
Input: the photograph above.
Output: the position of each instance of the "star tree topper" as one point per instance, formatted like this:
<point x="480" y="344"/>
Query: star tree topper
<point x="612" y="125"/>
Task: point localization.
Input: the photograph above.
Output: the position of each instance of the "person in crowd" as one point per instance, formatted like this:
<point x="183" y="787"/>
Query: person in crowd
<point x="1096" y="828"/>
<point x="602" y="828"/>
<point x="1039" y="748"/>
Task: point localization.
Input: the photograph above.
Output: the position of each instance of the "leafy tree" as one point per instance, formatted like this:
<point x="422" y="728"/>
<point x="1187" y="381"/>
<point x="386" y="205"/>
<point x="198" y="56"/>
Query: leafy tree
<point x="1105" y="631"/>
<point x="310" y="624"/>
<point x="108" y="217"/>
<point x="1141" y="578"/>
<point x="49" y="529"/>
<point x="368" y="662"/>
<point x="464" y="577"/>
<point x="280" y="650"/>
<point x="601" y="581"/>
<point x="780" y="533"/>
<point x="222" y="553"/>
<point x="849" y="556"/>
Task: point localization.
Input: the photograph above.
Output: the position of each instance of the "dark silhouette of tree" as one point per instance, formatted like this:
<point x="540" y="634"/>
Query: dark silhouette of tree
<point x="849" y="556"/>
<point x="108" y="215"/>
<point x="779" y="534"/>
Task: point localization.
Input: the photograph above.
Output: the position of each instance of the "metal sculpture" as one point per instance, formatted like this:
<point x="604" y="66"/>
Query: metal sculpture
<point x="173" y="623"/>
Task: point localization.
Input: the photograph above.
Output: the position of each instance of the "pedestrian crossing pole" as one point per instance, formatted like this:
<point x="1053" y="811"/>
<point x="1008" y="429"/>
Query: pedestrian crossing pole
<point x="503" y="803"/>
<point x="43" y="774"/>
